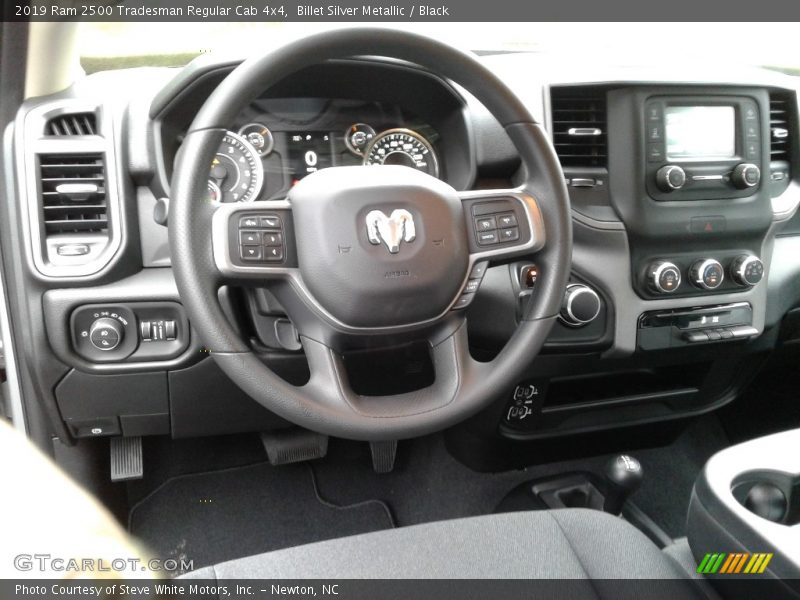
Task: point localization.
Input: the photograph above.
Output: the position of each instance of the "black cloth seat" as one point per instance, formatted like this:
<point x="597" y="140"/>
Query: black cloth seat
<point x="556" y="544"/>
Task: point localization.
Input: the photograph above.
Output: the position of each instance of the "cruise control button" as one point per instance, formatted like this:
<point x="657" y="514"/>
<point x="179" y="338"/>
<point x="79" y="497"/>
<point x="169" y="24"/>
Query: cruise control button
<point x="510" y="234"/>
<point x="250" y="252"/>
<point x="486" y="224"/>
<point x="507" y="220"/>
<point x="272" y="239"/>
<point x="487" y="238"/>
<point x="250" y="238"/>
<point x="248" y="222"/>
<point x="274" y="254"/>
<point x="271" y="222"/>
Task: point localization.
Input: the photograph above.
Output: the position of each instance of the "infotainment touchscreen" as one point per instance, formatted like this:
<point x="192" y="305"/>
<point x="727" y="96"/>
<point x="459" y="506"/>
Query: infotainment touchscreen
<point x="700" y="132"/>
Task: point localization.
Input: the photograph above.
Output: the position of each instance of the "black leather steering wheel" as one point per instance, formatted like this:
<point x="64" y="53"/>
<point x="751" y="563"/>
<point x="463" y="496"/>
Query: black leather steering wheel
<point x="344" y="290"/>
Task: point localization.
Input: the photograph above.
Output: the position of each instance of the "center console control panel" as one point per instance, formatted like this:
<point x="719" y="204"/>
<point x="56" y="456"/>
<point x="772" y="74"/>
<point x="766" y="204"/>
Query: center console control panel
<point x="658" y="330"/>
<point x="702" y="147"/>
<point x="691" y="275"/>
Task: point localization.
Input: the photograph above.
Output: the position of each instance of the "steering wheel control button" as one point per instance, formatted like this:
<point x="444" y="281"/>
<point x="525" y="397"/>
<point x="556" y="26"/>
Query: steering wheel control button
<point x="273" y="254"/>
<point x="506" y="220"/>
<point x="487" y="238"/>
<point x="106" y="334"/>
<point x="663" y="277"/>
<point x="581" y="305"/>
<point x="486" y="224"/>
<point x="250" y="238"/>
<point x="472" y="286"/>
<point x="252" y="253"/>
<point x="273" y="239"/>
<point x="747" y="270"/>
<point x="271" y="222"/>
<point x="478" y="270"/>
<point x="249" y="222"/>
<point x="510" y="234"/>
<point x="463" y="301"/>
<point x="670" y="178"/>
<point x="707" y="274"/>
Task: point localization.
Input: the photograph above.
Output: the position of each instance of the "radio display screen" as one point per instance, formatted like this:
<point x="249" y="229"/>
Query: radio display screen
<point x="700" y="132"/>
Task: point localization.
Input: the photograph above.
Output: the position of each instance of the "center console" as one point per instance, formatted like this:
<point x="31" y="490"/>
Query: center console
<point x="745" y="514"/>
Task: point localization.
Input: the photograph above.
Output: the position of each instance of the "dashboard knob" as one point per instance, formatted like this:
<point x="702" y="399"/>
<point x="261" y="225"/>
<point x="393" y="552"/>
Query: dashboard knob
<point x="747" y="269"/>
<point x="663" y="277"/>
<point x="707" y="274"/>
<point x="581" y="305"/>
<point x="670" y="178"/>
<point x="746" y="175"/>
<point x="106" y="333"/>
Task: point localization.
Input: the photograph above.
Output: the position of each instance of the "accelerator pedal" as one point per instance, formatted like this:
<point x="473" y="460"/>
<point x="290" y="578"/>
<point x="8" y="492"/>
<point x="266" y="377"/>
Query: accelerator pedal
<point x="293" y="445"/>
<point x="126" y="458"/>
<point x="383" y="455"/>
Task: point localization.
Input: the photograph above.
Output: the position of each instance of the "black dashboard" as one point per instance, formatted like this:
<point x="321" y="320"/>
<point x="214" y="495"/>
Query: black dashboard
<point x="684" y="259"/>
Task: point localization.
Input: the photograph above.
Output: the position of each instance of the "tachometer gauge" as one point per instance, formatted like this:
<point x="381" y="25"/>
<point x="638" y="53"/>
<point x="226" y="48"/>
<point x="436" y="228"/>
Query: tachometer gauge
<point x="357" y="138"/>
<point x="402" y="147"/>
<point x="259" y="137"/>
<point x="236" y="171"/>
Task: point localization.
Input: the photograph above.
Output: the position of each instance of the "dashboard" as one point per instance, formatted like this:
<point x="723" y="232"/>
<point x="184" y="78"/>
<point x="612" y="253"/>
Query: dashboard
<point x="684" y="190"/>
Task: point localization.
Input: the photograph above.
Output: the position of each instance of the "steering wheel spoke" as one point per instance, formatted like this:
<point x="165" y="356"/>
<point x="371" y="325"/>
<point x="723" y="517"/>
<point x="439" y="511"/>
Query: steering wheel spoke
<point x="254" y="240"/>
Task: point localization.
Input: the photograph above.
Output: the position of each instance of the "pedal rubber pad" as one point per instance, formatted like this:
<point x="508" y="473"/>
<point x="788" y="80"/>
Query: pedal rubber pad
<point x="126" y="458"/>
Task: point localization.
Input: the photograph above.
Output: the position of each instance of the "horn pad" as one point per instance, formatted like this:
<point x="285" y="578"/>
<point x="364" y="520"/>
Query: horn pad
<point x="380" y="246"/>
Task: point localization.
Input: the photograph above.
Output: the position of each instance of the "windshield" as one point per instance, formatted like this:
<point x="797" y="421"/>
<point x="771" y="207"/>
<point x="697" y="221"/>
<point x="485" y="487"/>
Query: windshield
<point x="104" y="46"/>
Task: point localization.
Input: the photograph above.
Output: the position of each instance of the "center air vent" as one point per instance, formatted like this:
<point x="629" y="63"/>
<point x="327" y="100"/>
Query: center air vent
<point x="72" y="124"/>
<point x="579" y="126"/>
<point x="73" y="193"/>
<point x="780" y="117"/>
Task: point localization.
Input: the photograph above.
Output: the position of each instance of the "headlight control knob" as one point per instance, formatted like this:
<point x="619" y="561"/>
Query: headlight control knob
<point x="581" y="305"/>
<point x="747" y="269"/>
<point x="106" y="333"/>
<point x="663" y="277"/>
<point x="707" y="274"/>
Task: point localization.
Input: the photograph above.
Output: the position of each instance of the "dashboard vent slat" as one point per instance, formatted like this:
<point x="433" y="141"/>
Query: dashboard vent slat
<point x="73" y="193"/>
<point x="780" y="125"/>
<point x="79" y="124"/>
<point x="578" y="117"/>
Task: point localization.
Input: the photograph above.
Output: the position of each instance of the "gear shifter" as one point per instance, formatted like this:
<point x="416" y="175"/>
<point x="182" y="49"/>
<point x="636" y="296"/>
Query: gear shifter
<point x="623" y="477"/>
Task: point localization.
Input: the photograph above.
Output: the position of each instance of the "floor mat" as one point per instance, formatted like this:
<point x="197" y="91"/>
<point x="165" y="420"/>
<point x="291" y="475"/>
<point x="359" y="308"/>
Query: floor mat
<point x="220" y="515"/>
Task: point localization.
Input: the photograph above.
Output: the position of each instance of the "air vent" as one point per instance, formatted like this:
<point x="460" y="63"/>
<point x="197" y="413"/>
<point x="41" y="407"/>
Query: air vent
<point x="73" y="193"/>
<point x="84" y="123"/>
<point x="780" y="124"/>
<point x="579" y="126"/>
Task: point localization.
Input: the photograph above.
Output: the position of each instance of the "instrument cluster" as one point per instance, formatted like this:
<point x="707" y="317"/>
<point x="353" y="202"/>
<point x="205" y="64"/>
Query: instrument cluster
<point x="268" y="154"/>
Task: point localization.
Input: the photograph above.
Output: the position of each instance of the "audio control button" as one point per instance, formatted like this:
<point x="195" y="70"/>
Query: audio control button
<point x="670" y="178"/>
<point x="746" y="175"/>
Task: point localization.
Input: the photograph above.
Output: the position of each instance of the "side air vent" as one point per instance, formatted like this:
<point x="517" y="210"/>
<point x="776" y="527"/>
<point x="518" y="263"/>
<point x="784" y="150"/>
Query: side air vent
<point x="84" y="123"/>
<point x="780" y="125"/>
<point x="73" y="193"/>
<point x="579" y="126"/>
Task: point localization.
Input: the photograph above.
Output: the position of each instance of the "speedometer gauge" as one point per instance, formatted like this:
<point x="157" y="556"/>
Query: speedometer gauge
<point x="236" y="173"/>
<point x="402" y="147"/>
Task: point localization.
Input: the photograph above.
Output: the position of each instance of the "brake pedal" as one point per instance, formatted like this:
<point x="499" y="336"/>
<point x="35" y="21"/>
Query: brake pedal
<point x="294" y="445"/>
<point x="126" y="458"/>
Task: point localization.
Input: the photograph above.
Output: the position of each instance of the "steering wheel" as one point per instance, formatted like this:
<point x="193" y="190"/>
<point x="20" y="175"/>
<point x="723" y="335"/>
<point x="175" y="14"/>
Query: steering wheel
<point x="370" y="256"/>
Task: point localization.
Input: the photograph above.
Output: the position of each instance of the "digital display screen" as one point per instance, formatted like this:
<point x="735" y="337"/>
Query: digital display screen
<point x="701" y="132"/>
<point x="309" y="151"/>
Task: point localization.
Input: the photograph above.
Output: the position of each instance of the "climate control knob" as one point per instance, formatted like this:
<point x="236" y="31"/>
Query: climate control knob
<point x="747" y="269"/>
<point x="670" y="178"/>
<point x="581" y="305"/>
<point x="707" y="274"/>
<point x="106" y="333"/>
<point x="663" y="277"/>
<point x="746" y="175"/>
